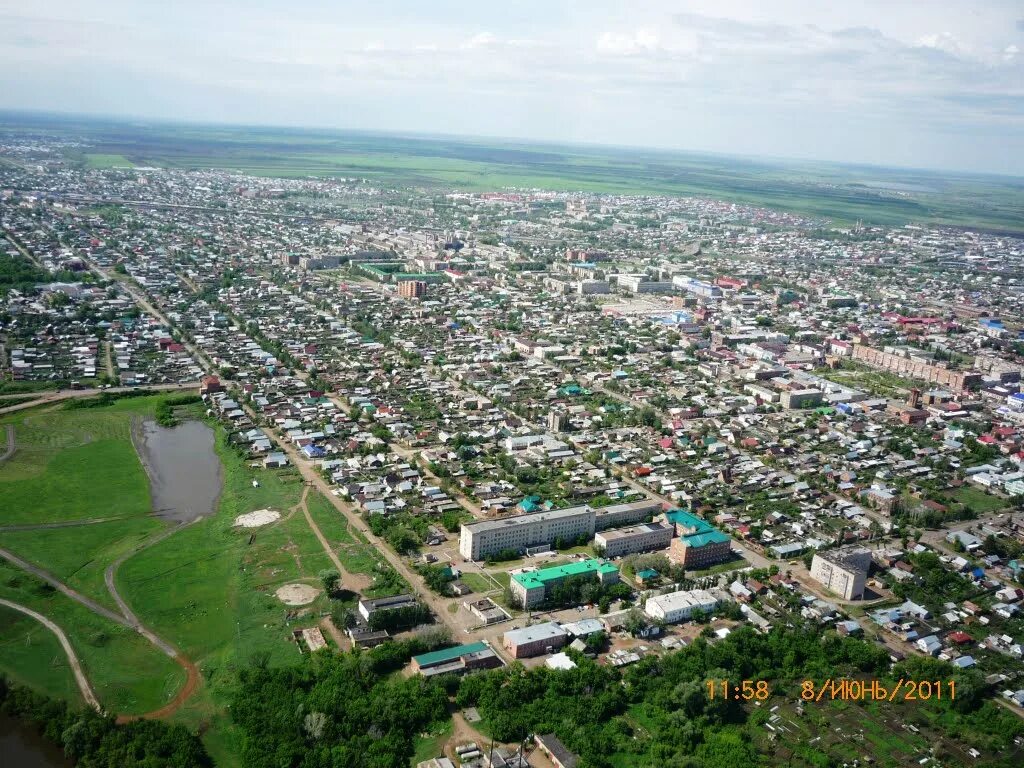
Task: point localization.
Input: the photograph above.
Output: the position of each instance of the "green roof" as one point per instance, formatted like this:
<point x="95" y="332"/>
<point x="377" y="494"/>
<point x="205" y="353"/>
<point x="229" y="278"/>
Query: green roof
<point x="703" y="532"/>
<point x="534" y="579"/>
<point x="646" y="574"/>
<point x="448" y="654"/>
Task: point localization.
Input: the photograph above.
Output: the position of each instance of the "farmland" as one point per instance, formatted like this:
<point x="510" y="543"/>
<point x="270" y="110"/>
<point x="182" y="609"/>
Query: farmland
<point x="843" y="194"/>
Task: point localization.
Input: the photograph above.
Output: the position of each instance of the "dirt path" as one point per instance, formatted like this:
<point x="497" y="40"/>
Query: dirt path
<point x="331" y="628"/>
<point x="347" y="579"/>
<point x="76" y="667"/>
<point x="128" y="620"/>
<point x="11" y="445"/>
<point x="463" y="733"/>
<point x="63" y="524"/>
<point x="110" y="359"/>
<point x="191" y="671"/>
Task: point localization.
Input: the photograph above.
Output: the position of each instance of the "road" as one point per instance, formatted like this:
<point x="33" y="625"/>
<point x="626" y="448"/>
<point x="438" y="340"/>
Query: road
<point x="11" y="445"/>
<point x="76" y="666"/>
<point x="54" y="396"/>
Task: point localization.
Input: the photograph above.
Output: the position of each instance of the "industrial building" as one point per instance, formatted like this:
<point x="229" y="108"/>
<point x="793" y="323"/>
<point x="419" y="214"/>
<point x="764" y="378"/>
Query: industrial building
<point x="679" y="606"/>
<point x="842" y="571"/>
<point x="644" y="537"/>
<point x="458" y="660"/>
<point x="531" y="587"/>
<point x="367" y="608"/>
<point x="478" y="540"/>
<point x="535" y="640"/>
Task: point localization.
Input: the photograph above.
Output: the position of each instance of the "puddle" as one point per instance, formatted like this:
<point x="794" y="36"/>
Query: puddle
<point x="184" y="471"/>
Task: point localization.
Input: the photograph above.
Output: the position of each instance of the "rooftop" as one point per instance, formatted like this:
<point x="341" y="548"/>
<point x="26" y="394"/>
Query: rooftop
<point x="535" y="579"/>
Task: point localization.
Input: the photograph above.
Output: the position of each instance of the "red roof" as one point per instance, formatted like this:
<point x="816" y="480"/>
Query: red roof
<point x="959" y="637"/>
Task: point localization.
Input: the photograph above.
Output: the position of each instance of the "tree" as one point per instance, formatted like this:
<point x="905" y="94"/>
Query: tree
<point x="329" y="578"/>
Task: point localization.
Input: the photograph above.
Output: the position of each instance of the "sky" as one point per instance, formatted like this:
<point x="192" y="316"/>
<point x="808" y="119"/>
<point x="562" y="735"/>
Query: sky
<point x="916" y="83"/>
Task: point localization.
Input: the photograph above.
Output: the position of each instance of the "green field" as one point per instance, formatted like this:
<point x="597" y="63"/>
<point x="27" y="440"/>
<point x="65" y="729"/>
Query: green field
<point x="841" y="193"/>
<point x="32" y="656"/>
<point x="74" y="465"/>
<point x="978" y="500"/>
<point x="207" y="588"/>
<point x="94" y="160"/>
<point x="127" y="673"/>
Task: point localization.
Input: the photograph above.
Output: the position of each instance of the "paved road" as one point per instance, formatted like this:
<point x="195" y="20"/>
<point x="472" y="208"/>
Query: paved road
<point x="76" y="666"/>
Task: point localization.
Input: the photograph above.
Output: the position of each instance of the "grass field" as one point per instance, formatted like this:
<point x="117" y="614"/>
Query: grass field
<point x="94" y="160"/>
<point x="74" y="465"/>
<point x="838" y="192"/>
<point x="978" y="500"/>
<point x="207" y="588"/>
<point x="32" y="656"/>
<point x="127" y="673"/>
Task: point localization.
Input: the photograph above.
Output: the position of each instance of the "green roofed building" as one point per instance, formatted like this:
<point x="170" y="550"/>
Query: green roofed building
<point x="460" y="659"/>
<point x="531" y="587"/>
<point x="698" y="544"/>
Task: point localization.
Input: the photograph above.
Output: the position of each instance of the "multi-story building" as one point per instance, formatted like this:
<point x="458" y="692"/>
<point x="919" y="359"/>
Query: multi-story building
<point x="637" y="538"/>
<point x="478" y="540"/>
<point x="699" y="544"/>
<point x="624" y="514"/>
<point x="842" y="571"/>
<point x="679" y="606"/>
<point x="412" y="289"/>
<point x="531" y="587"/>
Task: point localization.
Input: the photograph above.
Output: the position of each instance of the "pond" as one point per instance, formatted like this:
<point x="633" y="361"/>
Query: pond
<point x="185" y="475"/>
<point x="22" y="747"/>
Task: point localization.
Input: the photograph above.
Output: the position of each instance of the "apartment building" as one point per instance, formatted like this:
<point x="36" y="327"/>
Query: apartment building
<point x="645" y="537"/>
<point x="842" y="571"/>
<point x="478" y="540"/>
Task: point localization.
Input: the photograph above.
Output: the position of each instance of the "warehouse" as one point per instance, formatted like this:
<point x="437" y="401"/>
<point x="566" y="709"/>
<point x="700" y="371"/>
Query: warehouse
<point x="535" y="640"/>
<point x="458" y="660"/>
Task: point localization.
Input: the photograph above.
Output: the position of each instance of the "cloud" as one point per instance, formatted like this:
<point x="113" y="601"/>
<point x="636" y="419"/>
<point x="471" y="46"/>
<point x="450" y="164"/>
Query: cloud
<point x="619" y="44"/>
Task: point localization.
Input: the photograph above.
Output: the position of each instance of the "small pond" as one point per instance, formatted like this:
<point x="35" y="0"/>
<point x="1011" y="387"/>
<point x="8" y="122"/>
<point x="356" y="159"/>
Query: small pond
<point x="184" y="471"/>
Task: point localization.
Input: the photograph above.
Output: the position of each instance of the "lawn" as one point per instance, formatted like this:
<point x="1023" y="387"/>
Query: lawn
<point x="79" y="555"/>
<point x="977" y="499"/>
<point x="431" y="745"/>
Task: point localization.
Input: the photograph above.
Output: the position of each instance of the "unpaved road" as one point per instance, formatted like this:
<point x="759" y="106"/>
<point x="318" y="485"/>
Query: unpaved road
<point x="11" y="445"/>
<point x="76" y="667"/>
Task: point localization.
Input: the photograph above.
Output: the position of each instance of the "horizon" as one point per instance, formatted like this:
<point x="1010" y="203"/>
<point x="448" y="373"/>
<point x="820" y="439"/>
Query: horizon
<point x="883" y="84"/>
<point x="781" y="161"/>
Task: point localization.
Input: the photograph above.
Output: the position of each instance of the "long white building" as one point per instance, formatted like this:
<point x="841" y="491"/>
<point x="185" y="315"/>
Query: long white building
<point x="679" y="606"/>
<point x="478" y="540"/>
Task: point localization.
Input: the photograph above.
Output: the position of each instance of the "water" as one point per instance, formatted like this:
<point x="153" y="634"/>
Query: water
<point x="22" y="747"/>
<point x="184" y="472"/>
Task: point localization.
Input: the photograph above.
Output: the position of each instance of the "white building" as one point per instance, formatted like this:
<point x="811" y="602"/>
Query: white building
<point x="842" y="571"/>
<point x="478" y="540"/>
<point x="679" y="606"/>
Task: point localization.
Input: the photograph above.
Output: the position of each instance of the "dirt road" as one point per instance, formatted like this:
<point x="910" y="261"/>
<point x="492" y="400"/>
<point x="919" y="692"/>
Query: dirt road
<point x="11" y="445"/>
<point x="76" y="666"/>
